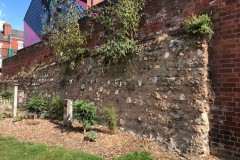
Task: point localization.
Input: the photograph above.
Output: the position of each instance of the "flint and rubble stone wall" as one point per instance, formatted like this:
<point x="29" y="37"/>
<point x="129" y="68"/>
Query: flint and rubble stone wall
<point x="161" y="93"/>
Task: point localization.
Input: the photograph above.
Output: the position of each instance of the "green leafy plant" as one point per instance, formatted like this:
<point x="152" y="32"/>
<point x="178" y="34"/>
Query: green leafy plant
<point x="36" y="103"/>
<point x="64" y="35"/>
<point x="91" y="136"/>
<point x="85" y="112"/>
<point x="6" y="94"/>
<point x="121" y="22"/>
<point x="199" y="25"/>
<point x="110" y="116"/>
<point x="4" y="115"/>
<point x="56" y="109"/>
<point x="17" y="119"/>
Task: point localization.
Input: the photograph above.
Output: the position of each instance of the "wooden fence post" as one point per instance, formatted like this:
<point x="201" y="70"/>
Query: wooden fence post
<point x="68" y="113"/>
<point x="15" y="100"/>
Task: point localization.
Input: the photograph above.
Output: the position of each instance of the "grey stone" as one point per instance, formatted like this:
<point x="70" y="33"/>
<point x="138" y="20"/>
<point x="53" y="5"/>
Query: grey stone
<point x="70" y="81"/>
<point x="166" y="55"/>
<point x="182" y="97"/>
<point x="154" y="79"/>
<point x="157" y="67"/>
<point x="199" y="51"/>
<point x="101" y="89"/>
<point x="171" y="43"/>
<point x="140" y="82"/>
<point x="82" y="87"/>
<point x="181" y="54"/>
<point x="121" y="122"/>
<point x="90" y="88"/>
<point x="116" y="92"/>
<point x="139" y="119"/>
<point x="129" y="100"/>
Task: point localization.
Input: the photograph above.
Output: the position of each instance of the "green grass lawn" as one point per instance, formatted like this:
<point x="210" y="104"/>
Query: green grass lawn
<point x="12" y="149"/>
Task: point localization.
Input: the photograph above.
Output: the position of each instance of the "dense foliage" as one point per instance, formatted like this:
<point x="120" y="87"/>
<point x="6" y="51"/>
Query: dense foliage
<point x="85" y="112"/>
<point x="91" y="136"/>
<point x="120" y="20"/>
<point x="110" y="116"/>
<point x="6" y="94"/>
<point x="64" y="35"/>
<point x="56" y="108"/>
<point x="199" y="25"/>
<point x="36" y="103"/>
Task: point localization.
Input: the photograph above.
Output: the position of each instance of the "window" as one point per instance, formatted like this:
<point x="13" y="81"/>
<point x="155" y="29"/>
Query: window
<point x="20" y="44"/>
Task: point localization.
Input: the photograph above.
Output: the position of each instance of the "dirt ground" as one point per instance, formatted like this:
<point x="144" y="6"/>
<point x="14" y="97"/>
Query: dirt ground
<point x="106" y="145"/>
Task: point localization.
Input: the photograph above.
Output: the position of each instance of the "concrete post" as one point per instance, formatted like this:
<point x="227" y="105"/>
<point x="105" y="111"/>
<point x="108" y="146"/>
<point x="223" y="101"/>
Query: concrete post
<point x="68" y="113"/>
<point x="15" y="100"/>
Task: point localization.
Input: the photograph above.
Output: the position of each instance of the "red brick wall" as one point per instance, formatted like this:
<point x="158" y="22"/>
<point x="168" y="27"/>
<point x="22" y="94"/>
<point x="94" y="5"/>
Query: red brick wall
<point x="25" y="59"/>
<point x="5" y="46"/>
<point x="225" y="69"/>
<point x="14" y="43"/>
<point x="7" y="29"/>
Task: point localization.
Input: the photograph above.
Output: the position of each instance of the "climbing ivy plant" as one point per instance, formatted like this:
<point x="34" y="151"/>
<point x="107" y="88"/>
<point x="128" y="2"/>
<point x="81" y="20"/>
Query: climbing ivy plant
<point x="62" y="33"/>
<point x="120" y="20"/>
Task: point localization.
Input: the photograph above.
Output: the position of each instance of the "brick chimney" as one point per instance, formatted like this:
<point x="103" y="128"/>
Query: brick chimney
<point x="7" y="29"/>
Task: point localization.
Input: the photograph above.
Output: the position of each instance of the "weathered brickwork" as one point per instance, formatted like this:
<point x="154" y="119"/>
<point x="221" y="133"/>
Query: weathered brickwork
<point x="26" y="59"/>
<point x="160" y="17"/>
<point x="224" y="62"/>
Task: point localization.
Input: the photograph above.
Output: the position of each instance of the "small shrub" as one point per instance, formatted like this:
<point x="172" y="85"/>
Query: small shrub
<point x="91" y="136"/>
<point x="85" y="112"/>
<point x="36" y="103"/>
<point x="110" y="116"/>
<point x="17" y="118"/>
<point x="4" y="115"/>
<point x="56" y="109"/>
<point x="6" y="94"/>
<point x="199" y="25"/>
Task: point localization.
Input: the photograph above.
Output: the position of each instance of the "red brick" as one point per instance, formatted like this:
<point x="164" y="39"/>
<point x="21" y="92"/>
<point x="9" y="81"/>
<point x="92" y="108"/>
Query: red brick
<point x="226" y="89"/>
<point x="228" y="85"/>
<point x="224" y="127"/>
<point x="235" y="129"/>
<point x="236" y="60"/>
<point x="229" y="123"/>
<point x="225" y="56"/>
<point x="227" y="61"/>
<point x="236" y="99"/>
<point x="232" y="104"/>
<point x="224" y="13"/>
<point x="225" y="70"/>
<point x="232" y="80"/>
<point x="229" y="17"/>
<point x="236" y="89"/>
<point x="230" y="114"/>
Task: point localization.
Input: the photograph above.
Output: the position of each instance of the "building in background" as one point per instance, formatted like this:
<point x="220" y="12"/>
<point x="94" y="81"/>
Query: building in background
<point x="44" y="9"/>
<point x="11" y="40"/>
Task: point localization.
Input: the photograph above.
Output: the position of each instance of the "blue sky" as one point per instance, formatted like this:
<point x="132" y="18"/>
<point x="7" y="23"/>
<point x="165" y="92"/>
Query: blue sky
<point x="13" y="12"/>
